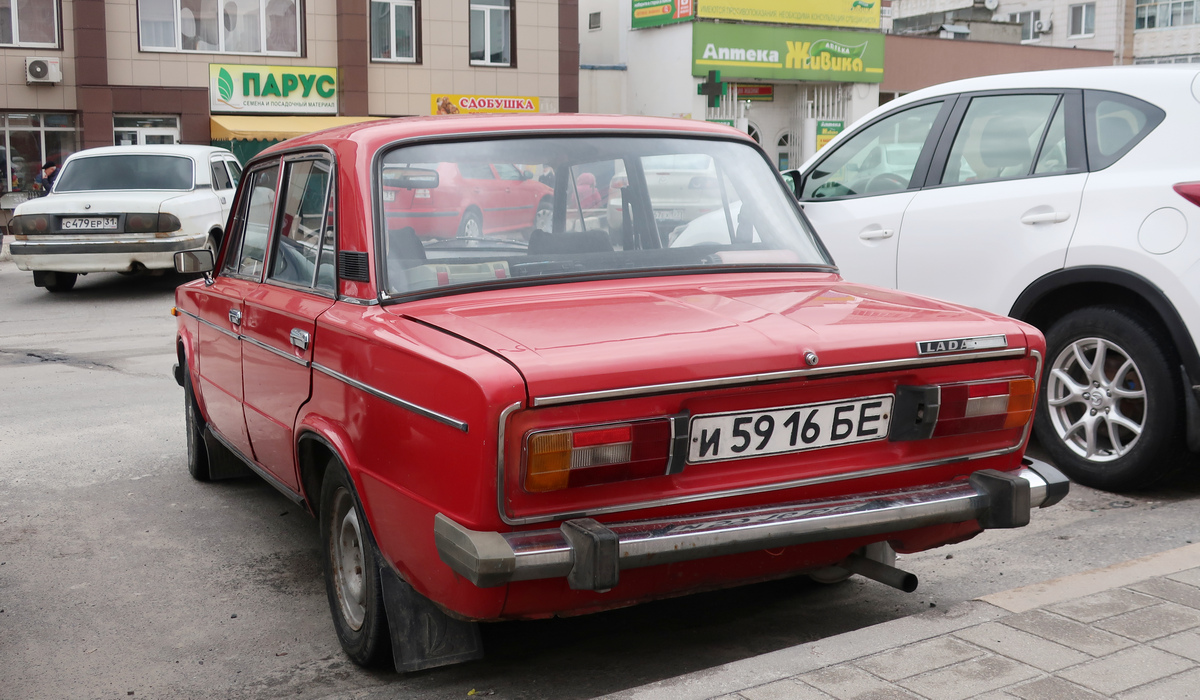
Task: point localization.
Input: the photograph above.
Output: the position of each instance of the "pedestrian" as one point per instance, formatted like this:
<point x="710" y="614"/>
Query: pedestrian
<point x="46" y="178"/>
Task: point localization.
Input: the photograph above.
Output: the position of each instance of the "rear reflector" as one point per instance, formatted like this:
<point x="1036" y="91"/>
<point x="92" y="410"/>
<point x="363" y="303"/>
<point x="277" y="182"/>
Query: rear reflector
<point x="561" y="459"/>
<point x="1189" y="191"/>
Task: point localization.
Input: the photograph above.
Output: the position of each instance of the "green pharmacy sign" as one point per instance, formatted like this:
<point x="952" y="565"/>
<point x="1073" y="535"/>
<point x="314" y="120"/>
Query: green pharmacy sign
<point x="756" y="51"/>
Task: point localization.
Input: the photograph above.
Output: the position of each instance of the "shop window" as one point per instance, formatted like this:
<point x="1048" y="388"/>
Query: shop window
<point x="31" y="23"/>
<point x="492" y="33"/>
<point x="394" y="31"/>
<point x="1152" y="14"/>
<point x="148" y="130"/>
<point x="1028" y="22"/>
<point x="1082" y="20"/>
<point x="268" y="27"/>
<point x="30" y="139"/>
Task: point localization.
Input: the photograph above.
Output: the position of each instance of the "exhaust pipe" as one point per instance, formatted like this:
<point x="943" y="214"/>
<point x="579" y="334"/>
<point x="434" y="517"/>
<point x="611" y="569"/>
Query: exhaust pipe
<point x="882" y="573"/>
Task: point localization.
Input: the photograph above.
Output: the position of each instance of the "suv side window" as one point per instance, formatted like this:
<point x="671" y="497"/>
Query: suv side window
<point x="880" y="158"/>
<point x="296" y="251"/>
<point x="246" y="254"/>
<point x="1114" y="124"/>
<point x="999" y="138"/>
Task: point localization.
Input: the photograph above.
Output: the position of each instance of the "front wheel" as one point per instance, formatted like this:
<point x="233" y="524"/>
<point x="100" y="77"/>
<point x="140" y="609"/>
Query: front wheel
<point x="197" y="452"/>
<point x="471" y="225"/>
<point x="1110" y="412"/>
<point x="352" y="573"/>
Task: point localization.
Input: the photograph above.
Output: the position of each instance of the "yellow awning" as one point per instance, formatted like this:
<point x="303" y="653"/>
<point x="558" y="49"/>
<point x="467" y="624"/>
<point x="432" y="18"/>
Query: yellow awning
<point x="229" y="127"/>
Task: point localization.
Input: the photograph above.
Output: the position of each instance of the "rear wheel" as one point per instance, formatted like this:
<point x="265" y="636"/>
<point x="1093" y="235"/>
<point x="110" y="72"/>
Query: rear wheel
<point x="352" y="573"/>
<point x="472" y="224"/>
<point x="197" y="452"/>
<point x="1110" y="413"/>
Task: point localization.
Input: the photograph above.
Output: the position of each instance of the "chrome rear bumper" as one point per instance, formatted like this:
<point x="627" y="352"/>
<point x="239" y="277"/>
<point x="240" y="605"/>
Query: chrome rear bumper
<point x="590" y="554"/>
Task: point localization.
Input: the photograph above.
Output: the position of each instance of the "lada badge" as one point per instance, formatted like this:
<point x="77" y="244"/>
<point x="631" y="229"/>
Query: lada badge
<point x="937" y="347"/>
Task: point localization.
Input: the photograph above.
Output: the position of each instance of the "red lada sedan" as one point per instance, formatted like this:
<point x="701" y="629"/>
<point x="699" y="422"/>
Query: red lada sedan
<point x="492" y="428"/>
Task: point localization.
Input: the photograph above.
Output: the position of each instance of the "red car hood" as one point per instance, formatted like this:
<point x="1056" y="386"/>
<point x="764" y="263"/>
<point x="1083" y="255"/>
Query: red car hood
<point x="598" y="336"/>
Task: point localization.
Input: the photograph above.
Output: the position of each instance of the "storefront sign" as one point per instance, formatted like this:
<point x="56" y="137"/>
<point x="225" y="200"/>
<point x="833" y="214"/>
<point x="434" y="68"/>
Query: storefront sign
<point x="753" y="51"/>
<point x="826" y="130"/>
<point x="654" y="13"/>
<point x="860" y="14"/>
<point x="234" y="88"/>
<point x="756" y="93"/>
<point x="482" y="104"/>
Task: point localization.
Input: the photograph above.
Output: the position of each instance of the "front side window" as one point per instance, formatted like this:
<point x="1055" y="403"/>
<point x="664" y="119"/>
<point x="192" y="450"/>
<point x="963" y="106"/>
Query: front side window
<point x="569" y="208"/>
<point x="881" y="158"/>
<point x="29" y="23"/>
<point x="126" y="172"/>
<point x="1157" y="14"/>
<point x="1083" y="20"/>
<point x="267" y="27"/>
<point x="491" y="32"/>
<point x="999" y="138"/>
<point x="394" y="31"/>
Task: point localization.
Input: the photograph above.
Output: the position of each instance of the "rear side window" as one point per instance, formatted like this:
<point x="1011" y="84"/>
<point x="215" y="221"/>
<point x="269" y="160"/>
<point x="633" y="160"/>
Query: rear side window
<point x="220" y="176"/>
<point x="999" y="138"/>
<point x="1114" y="124"/>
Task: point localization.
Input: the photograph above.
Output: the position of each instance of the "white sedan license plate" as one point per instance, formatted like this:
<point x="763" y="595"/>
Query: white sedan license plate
<point x="719" y="436"/>
<point x="89" y="223"/>
<point x="668" y="214"/>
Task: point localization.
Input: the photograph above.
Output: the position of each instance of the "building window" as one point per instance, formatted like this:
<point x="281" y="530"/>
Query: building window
<point x="264" y="27"/>
<point x="491" y="33"/>
<point x="394" y="31"/>
<point x="783" y="148"/>
<point x="1028" y="22"/>
<point x="1083" y="20"/>
<point x="29" y="23"/>
<point x="752" y="132"/>
<point x="593" y="21"/>
<point x="30" y="139"/>
<point x="1157" y="15"/>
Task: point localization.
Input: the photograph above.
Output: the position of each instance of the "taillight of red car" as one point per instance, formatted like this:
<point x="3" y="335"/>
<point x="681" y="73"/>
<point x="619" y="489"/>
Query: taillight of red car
<point x="1189" y="191"/>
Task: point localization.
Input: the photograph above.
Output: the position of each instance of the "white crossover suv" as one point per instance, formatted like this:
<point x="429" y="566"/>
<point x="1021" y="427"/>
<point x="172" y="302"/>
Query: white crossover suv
<point x="1069" y="199"/>
<point x="124" y="209"/>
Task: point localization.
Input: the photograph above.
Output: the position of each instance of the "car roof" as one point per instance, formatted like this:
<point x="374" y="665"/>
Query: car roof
<point x="192" y="151"/>
<point x="374" y="134"/>
<point x="1134" y="80"/>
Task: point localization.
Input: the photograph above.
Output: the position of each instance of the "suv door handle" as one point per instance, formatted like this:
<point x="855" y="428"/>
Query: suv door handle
<point x="299" y="338"/>
<point x="876" y="234"/>
<point x="1048" y="217"/>
<point x="235" y="317"/>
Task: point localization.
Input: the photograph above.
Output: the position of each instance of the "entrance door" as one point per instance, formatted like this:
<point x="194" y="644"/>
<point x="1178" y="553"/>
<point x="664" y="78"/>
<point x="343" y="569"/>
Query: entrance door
<point x="153" y="130"/>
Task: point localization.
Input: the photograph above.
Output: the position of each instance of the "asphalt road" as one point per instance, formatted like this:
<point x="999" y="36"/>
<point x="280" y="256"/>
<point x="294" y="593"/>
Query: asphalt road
<point x="122" y="577"/>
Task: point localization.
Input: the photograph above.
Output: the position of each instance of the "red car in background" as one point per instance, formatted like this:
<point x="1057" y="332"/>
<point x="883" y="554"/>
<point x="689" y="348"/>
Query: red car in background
<point x="471" y="199"/>
<point x="490" y="428"/>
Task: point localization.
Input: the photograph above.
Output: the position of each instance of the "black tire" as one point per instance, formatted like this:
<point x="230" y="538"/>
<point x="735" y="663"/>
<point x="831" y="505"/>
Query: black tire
<point x="197" y="451"/>
<point x="63" y="282"/>
<point x="1134" y="388"/>
<point x="214" y="238"/>
<point x="471" y="224"/>
<point x="351" y="564"/>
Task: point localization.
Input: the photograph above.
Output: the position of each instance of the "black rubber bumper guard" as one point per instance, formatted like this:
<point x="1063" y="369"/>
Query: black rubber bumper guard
<point x="591" y="555"/>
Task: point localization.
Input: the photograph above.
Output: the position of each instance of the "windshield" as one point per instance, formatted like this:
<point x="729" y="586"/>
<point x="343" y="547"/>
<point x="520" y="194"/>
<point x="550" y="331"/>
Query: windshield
<point x="126" y="172"/>
<point x="488" y="212"/>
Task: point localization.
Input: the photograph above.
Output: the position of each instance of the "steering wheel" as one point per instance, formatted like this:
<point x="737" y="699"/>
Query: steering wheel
<point x="884" y="182"/>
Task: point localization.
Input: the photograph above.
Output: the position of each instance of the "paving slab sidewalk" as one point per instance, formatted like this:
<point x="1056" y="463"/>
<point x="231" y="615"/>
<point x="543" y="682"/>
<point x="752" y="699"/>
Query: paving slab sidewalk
<point x="1129" y="631"/>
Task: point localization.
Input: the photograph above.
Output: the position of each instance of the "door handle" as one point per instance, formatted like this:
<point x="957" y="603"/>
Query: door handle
<point x="299" y="338"/>
<point x="222" y="200"/>
<point x="1048" y="217"/>
<point x="235" y="317"/>
<point x="876" y="234"/>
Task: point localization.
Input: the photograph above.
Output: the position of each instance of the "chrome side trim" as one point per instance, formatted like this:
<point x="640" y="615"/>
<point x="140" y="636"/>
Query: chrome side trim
<point x="500" y="483"/>
<point x="358" y="302"/>
<point x="274" y="350"/>
<point x="880" y="366"/>
<point x="492" y="558"/>
<point x="408" y="405"/>
<point x="212" y="325"/>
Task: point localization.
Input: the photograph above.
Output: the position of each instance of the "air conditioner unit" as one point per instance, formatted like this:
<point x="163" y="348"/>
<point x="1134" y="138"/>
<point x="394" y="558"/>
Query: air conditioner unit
<point x="1041" y="26"/>
<point x="43" y="70"/>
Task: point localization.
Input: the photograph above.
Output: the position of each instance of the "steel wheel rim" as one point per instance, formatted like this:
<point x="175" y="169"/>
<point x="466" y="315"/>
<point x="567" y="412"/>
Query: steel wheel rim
<point x="472" y="227"/>
<point x="1096" y="399"/>
<point x="349" y="574"/>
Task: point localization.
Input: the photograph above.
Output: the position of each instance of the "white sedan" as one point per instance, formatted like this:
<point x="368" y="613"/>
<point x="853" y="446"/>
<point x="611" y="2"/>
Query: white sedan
<point x="124" y="209"/>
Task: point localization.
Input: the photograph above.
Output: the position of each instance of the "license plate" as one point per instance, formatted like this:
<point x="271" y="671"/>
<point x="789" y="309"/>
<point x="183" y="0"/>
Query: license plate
<point x="718" y="436"/>
<point x="89" y="222"/>
<point x="389" y="195"/>
<point x="668" y="214"/>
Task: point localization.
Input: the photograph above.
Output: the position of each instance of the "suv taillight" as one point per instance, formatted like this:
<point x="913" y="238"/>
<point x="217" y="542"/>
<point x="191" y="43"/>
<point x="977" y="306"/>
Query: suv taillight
<point x="1189" y="191"/>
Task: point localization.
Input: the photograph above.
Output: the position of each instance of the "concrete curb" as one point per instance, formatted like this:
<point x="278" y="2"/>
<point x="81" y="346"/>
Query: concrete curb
<point x="804" y="658"/>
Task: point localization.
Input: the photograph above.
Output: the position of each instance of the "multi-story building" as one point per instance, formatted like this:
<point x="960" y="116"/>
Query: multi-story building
<point x="1135" y="31"/>
<point x="83" y="73"/>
